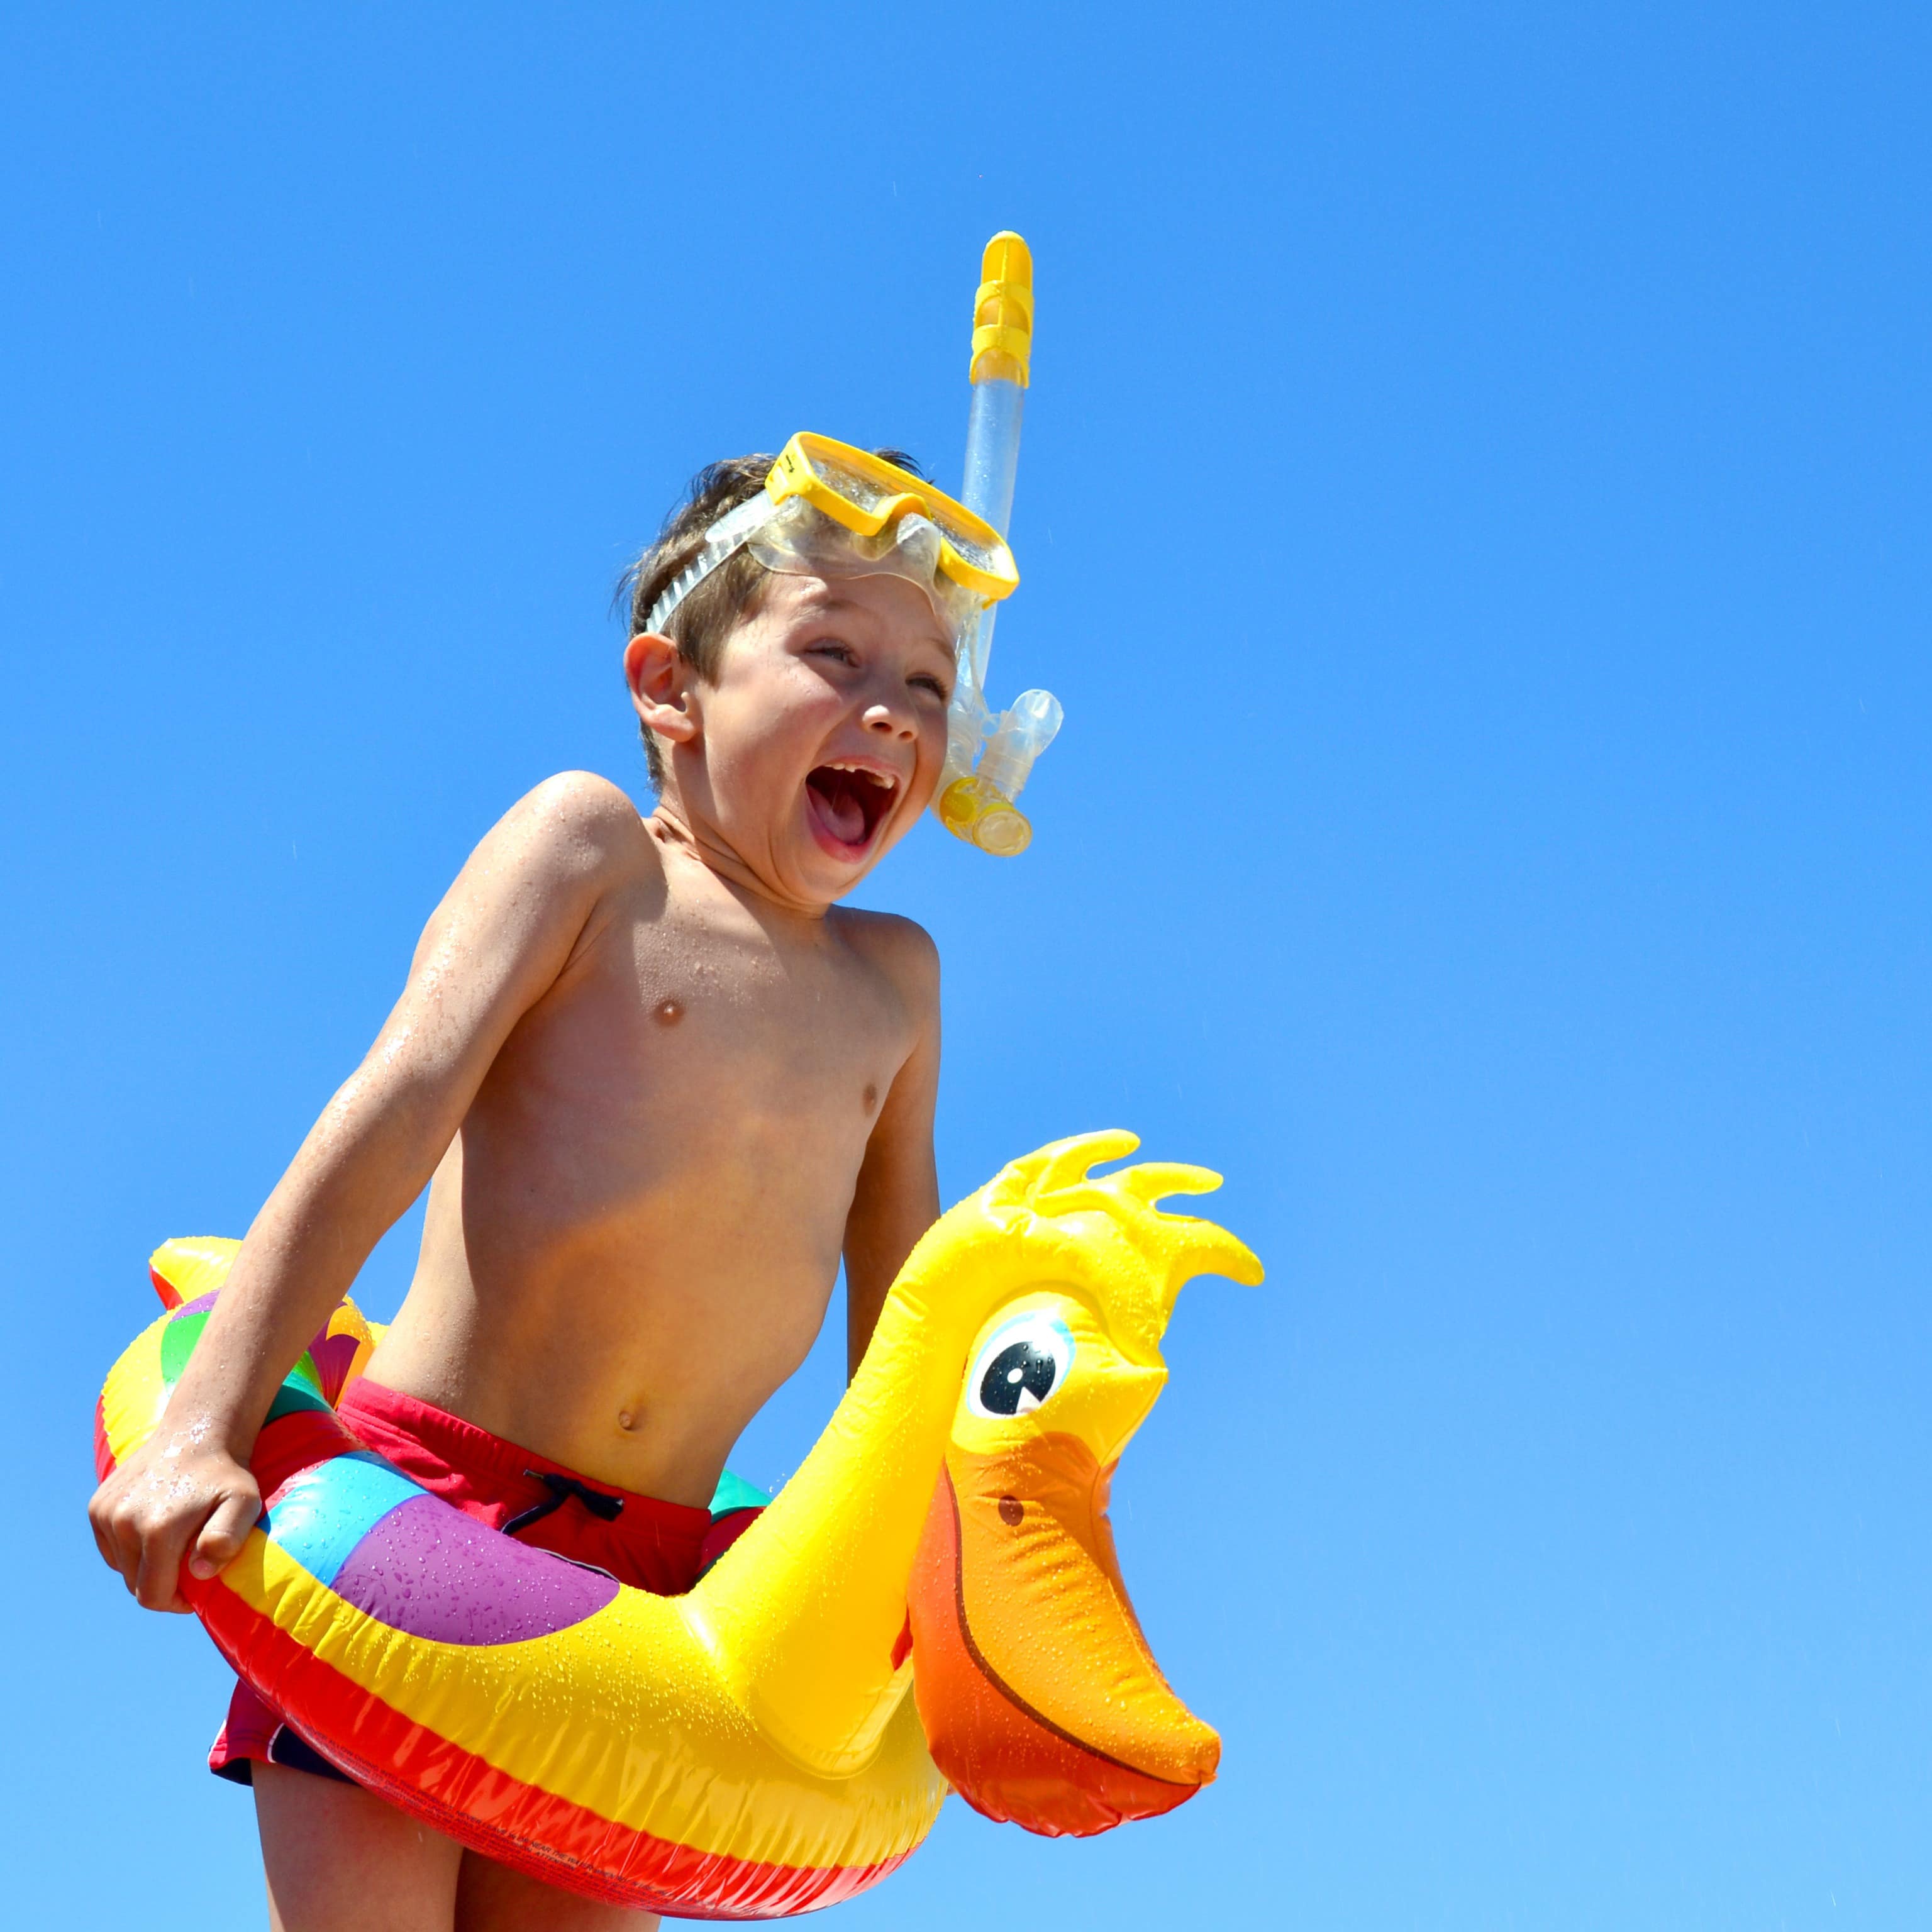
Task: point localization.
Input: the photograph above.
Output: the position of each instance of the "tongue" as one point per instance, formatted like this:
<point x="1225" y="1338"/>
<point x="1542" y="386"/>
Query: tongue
<point x="838" y="806"/>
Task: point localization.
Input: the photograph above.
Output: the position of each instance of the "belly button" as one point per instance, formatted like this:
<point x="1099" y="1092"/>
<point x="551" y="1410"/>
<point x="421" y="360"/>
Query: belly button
<point x="626" y="1419"/>
<point x="667" y="1012"/>
<point x="871" y="1096"/>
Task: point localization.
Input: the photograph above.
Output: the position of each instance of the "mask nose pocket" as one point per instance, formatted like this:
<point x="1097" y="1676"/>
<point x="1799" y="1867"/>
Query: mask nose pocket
<point x="919" y="539"/>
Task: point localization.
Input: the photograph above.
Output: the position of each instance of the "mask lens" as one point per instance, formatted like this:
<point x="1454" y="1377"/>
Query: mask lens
<point x="865" y="492"/>
<point x="969" y="540"/>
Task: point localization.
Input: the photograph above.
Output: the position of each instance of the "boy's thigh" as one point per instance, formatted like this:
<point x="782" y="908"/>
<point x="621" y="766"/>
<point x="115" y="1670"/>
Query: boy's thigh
<point x="336" y="1856"/>
<point x="490" y="1897"/>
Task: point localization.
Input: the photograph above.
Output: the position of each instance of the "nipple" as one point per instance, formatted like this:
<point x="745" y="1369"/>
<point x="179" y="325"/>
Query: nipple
<point x="871" y="1096"/>
<point x="667" y="1012"/>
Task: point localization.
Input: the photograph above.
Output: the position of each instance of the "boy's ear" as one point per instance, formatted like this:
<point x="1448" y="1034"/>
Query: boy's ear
<point x="660" y="682"/>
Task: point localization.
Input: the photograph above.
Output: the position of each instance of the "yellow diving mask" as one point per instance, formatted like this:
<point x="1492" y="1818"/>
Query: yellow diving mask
<point x="867" y="494"/>
<point x="829" y="509"/>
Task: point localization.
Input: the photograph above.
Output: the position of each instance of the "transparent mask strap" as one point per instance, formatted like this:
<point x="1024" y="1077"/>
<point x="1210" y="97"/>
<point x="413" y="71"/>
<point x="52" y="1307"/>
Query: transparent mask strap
<point x="723" y="540"/>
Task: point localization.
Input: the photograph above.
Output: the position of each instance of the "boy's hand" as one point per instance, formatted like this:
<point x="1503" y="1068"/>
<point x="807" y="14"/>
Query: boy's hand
<point x="176" y="1494"/>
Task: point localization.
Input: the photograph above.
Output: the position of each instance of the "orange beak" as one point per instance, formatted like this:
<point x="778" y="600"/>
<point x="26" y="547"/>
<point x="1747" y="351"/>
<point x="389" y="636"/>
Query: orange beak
<point x="1042" y="1703"/>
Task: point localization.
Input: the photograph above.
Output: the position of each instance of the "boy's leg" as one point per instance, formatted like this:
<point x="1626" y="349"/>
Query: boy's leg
<point x="338" y="1859"/>
<point x="490" y="1897"/>
<point x="336" y="1856"/>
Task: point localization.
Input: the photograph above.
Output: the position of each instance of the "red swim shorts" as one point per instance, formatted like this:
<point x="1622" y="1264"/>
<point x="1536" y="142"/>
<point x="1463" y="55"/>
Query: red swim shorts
<point x="651" y="1545"/>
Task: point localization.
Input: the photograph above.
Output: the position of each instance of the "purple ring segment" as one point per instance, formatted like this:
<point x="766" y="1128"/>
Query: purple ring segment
<point x="430" y="1571"/>
<point x="420" y="1566"/>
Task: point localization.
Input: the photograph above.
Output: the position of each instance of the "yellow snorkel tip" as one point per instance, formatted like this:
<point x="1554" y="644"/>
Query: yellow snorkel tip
<point x="1003" y="313"/>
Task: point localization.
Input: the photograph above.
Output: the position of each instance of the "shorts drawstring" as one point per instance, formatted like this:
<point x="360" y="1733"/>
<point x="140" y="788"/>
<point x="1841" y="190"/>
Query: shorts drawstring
<point x="605" y="1508"/>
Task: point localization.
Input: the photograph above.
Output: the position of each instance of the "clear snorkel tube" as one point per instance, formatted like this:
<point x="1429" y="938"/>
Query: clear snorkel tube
<point x="978" y="805"/>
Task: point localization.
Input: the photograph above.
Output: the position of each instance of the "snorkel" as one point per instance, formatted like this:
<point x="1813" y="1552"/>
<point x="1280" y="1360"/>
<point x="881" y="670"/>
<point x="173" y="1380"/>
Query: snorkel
<point x="979" y="804"/>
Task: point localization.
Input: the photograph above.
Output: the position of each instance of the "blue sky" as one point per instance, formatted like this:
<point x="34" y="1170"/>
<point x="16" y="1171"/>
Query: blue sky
<point x="1473" y="510"/>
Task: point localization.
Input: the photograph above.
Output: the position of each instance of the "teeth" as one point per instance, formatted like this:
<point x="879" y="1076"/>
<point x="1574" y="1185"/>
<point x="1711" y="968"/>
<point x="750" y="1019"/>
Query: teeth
<point x="883" y="779"/>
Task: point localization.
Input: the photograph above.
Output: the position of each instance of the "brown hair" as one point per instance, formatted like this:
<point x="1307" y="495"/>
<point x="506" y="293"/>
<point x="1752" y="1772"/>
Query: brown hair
<point x="701" y="624"/>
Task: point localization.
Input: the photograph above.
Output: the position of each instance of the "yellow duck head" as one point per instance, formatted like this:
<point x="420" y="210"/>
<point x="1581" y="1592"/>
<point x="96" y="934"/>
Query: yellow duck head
<point x="1041" y="1702"/>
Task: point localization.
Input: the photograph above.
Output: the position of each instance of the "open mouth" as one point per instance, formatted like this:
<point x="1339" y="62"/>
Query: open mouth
<point x="846" y="803"/>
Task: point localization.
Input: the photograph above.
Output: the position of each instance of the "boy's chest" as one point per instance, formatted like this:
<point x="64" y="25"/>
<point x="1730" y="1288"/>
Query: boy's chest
<point x="730" y="1021"/>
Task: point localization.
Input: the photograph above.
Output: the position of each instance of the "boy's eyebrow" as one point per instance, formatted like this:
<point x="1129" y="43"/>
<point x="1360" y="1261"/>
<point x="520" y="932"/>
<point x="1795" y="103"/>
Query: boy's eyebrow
<point x="831" y="604"/>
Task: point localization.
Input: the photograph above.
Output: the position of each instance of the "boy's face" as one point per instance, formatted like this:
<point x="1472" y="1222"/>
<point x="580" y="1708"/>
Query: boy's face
<point x="821" y="741"/>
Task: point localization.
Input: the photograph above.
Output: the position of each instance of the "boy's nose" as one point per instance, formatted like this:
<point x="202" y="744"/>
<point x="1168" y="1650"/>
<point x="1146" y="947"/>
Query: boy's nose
<point x="885" y="718"/>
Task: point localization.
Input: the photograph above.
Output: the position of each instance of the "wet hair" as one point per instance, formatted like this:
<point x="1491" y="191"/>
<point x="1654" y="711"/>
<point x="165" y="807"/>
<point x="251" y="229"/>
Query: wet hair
<point x="700" y="626"/>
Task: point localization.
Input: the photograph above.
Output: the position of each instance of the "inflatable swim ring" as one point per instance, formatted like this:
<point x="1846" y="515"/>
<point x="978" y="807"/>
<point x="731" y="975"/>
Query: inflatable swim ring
<point x="750" y="1749"/>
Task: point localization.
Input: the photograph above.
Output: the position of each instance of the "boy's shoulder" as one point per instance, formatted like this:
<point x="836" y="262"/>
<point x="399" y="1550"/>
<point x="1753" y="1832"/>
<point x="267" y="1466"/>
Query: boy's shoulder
<point x="899" y="946"/>
<point x="560" y="859"/>
<point x="577" y="822"/>
<point x="581" y="799"/>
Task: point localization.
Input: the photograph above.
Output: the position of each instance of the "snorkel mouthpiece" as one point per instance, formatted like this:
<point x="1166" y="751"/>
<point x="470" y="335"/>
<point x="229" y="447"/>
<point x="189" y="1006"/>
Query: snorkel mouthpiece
<point x="980" y="807"/>
<point x="977" y="805"/>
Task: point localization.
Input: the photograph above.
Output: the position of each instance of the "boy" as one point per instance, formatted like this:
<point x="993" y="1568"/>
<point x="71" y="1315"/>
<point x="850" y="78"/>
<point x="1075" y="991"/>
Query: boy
<point x="656" y="1080"/>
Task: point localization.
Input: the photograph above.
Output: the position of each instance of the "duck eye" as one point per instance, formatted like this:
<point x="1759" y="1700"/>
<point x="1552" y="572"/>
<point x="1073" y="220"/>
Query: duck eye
<point x="1022" y="1365"/>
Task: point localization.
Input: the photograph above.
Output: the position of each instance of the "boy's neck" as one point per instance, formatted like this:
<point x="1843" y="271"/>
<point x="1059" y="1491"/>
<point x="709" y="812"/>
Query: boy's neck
<point x="674" y="829"/>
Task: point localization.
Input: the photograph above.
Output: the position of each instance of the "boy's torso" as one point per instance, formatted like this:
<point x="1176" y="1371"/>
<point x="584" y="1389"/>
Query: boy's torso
<point x="633" y="1239"/>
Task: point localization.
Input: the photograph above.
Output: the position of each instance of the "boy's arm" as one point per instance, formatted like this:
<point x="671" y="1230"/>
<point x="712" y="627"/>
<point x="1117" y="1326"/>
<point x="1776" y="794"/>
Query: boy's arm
<point x="499" y="940"/>
<point x="896" y="1198"/>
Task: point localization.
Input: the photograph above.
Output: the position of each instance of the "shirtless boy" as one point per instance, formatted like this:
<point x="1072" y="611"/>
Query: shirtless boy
<point x="657" y="1082"/>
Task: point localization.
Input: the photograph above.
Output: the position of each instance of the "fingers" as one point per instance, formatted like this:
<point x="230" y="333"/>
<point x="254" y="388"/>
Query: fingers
<point x="147" y="1521"/>
<point x="119" y="1532"/>
<point x="100" y="1520"/>
<point x="226" y="1530"/>
<point x="158" y="1569"/>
